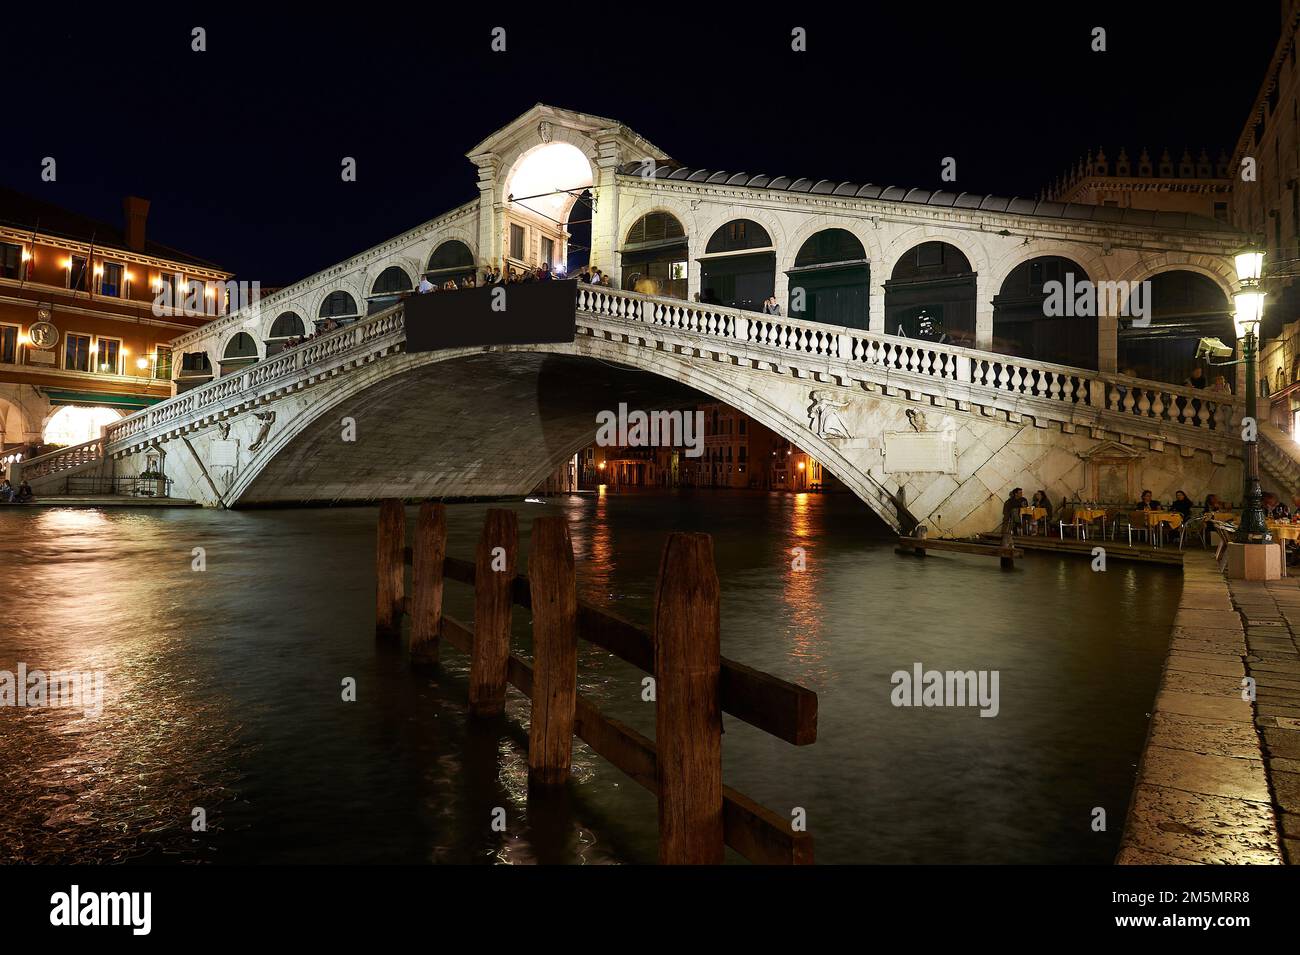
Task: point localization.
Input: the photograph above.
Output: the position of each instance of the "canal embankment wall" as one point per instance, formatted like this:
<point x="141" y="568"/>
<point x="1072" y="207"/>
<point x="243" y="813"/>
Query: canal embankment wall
<point x="1202" y="793"/>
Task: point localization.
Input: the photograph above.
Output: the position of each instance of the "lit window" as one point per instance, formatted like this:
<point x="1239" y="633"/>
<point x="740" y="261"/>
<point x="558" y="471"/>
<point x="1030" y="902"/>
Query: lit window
<point x="111" y="282"/>
<point x="76" y="352"/>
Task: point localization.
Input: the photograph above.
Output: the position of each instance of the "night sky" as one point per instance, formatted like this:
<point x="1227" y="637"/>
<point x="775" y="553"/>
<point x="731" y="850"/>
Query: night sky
<point x="239" y="148"/>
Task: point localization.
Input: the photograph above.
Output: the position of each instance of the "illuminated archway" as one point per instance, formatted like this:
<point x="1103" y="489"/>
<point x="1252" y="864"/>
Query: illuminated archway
<point x="541" y="189"/>
<point x="74" y="424"/>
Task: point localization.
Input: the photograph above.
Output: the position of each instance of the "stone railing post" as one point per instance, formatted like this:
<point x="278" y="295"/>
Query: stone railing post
<point x="1096" y="393"/>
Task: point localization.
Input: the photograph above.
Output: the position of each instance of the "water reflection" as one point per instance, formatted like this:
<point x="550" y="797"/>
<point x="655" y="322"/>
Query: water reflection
<point x="224" y="691"/>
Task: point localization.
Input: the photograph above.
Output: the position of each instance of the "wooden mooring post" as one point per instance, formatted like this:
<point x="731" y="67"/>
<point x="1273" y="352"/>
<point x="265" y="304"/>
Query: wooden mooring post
<point x="553" y="586"/>
<point x="688" y="717"/>
<point x="390" y="569"/>
<point x="694" y="683"/>
<point x="494" y="574"/>
<point x="426" y="582"/>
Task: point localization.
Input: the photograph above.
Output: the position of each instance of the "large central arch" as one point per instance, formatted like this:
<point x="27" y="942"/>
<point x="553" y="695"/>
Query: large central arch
<point x="464" y="422"/>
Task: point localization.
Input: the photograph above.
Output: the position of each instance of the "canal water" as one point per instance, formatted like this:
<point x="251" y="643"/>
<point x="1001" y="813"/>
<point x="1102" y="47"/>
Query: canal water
<point x="223" y="702"/>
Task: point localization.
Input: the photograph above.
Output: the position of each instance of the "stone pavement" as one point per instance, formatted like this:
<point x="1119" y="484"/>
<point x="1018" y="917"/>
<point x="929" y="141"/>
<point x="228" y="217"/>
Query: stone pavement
<point x="1203" y="793"/>
<point x="1270" y="612"/>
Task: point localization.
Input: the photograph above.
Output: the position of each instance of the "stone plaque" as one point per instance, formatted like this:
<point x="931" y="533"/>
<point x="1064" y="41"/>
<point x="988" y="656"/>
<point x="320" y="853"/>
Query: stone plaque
<point x="223" y="454"/>
<point x="35" y="357"/>
<point x="923" y="451"/>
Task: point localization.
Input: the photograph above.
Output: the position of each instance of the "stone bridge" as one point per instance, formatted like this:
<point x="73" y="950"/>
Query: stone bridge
<point x="921" y="432"/>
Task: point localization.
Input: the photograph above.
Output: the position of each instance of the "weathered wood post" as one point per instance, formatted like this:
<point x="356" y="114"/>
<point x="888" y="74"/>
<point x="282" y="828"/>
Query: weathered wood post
<point x="390" y="568"/>
<point x="494" y="574"/>
<point x="426" y="582"/>
<point x="553" y="583"/>
<point x="1007" y="550"/>
<point x="688" y="713"/>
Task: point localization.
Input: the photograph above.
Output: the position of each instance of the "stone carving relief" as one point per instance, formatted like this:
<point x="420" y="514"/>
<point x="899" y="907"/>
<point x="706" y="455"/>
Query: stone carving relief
<point x="824" y="417"/>
<point x="265" y="419"/>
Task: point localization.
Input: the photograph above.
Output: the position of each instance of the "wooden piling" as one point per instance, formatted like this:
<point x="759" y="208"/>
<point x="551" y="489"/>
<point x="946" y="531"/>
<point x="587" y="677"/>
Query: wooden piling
<point x="390" y="568"/>
<point x="553" y="585"/>
<point x="688" y="714"/>
<point x="493" y="603"/>
<point x="426" y="582"/>
<point x="1006" y="552"/>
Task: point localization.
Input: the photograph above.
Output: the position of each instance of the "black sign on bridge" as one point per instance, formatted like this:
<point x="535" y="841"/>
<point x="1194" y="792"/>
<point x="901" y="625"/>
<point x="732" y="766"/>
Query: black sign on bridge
<point x="524" y="313"/>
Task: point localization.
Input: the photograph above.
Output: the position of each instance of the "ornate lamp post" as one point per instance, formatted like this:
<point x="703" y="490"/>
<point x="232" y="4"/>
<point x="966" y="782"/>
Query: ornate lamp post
<point x="1249" y="303"/>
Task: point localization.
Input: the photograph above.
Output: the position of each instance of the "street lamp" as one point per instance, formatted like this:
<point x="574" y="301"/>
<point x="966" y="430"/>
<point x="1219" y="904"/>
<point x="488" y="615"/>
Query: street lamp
<point x="1249" y="305"/>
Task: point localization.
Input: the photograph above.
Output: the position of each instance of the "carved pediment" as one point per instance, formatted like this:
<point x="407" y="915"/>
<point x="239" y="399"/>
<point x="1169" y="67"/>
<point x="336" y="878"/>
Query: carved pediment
<point x="1111" y="451"/>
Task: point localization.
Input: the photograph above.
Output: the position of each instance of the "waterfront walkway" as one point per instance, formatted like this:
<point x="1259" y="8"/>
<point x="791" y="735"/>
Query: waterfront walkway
<point x="1219" y="781"/>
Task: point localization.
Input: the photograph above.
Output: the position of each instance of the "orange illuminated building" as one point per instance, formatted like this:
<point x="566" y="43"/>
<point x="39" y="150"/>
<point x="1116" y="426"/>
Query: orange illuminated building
<point x="82" y="340"/>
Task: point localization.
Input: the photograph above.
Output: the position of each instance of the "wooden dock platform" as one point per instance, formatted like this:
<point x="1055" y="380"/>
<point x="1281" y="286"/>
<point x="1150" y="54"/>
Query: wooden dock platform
<point x="918" y="546"/>
<point x="1145" y="553"/>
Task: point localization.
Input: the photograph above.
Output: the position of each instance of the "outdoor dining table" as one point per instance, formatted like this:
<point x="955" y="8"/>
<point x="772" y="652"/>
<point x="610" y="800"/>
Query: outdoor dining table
<point x="1081" y="517"/>
<point x="1156" y="521"/>
<point x="1283" y="530"/>
<point x="1034" y="515"/>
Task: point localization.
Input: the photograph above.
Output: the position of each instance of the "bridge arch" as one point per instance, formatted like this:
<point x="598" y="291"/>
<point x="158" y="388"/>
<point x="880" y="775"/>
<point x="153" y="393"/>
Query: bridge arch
<point x="1221" y="271"/>
<point x="738" y="264"/>
<point x="932" y="290"/>
<point x="512" y="158"/>
<point x="831" y="268"/>
<point x="1022" y="325"/>
<point x="861" y="229"/>
<point x="976" y="252"/>
<point x="1186" y="304"/>
<point x="401" y="380"/>
<point x="15" y="425"/>
<point x="654" y="249"/>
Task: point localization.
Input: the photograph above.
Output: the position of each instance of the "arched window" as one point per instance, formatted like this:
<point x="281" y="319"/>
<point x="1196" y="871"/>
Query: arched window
<point x="746" y="280"/>
<point x="450" y="260"/>
<point x="739" y="234"/>
<point x="392" y="280"/>
<point x="338" y="305"/>
<point x="1182" y="307"/>
<point x="1037" y="314"/>
<point x="654" y="257"/>
<point x="654" y="227"/>
<point x="831" y="280"/>
<point x="387" y="290"/>
<point x="241" y="346"/>
<point x="287" y="325"/>
<point x="240" y="352"/>
<point x="195" y="364"/>
<point x="931" y="295"/>
<point x="830" y="247"/>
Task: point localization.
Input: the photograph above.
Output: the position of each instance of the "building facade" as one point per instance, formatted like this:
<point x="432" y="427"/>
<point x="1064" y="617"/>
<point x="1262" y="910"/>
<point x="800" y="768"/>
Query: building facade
<point x="1266" y="204"/>
<point x="82" y="338"/>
